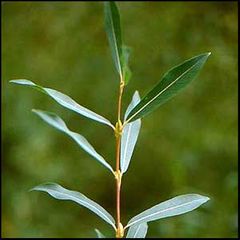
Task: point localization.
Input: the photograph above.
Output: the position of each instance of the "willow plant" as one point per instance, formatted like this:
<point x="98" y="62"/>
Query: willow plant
<point x="126" y="132"/>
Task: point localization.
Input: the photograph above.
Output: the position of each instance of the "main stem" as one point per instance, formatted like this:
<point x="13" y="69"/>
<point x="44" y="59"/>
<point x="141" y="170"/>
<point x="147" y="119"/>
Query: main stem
<point x="118" y="176"/>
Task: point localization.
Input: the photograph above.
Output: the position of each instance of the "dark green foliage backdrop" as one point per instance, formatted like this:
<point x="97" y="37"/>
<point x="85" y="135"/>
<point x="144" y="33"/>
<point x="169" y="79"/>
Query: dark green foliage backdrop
<point x="188" y="145"/>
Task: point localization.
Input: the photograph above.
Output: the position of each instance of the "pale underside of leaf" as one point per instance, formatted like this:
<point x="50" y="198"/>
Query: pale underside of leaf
<point x="137" y="231"/>
<point x="61" y="193"/>
<point x="129" y="135"/>
<point x="173" y="207"/>
<point x="65" y="101"/>
<point x="172" y="82"/>
<point x="58" y="123"/>
<point x="99" y="234"/>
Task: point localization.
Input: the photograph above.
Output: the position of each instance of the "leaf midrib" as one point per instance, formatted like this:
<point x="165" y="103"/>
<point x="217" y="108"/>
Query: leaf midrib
<point x="115" y="43"/>
<point x="78" y="107"/>
<point x="89" y="148"/>
<point x="161" y="211"/>
<point x="138" y="228"/>
<point x="79" y="139"/>
<point x="126" y="144"/>
<point x="159" y="93"/>
<point x="101" y="213"/>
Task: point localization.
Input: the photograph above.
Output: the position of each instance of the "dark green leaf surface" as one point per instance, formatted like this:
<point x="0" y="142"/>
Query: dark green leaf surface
<point x="113" y="29"/>
<point x="124" y="63"/>
<point x="171" y="83"/>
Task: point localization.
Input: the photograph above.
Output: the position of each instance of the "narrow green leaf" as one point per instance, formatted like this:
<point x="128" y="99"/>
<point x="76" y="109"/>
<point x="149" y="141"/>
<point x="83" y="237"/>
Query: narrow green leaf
<point x="129" y="135"/>
<point x="172" y="82"/>
<point x="99" y="234"/>
<point x="175" y="206"/>
<point x="61" y="193"/>
<point x="65" y="101"/>
<point x="127" y="74"/>
<point x="137" y="231"/>
<point x="113" y="29"/>
<point x="58" y="123"/>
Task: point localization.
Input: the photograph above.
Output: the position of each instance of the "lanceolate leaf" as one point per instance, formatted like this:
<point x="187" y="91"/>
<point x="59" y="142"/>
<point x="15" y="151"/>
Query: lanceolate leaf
<point x="129" y="135"/>
<point x="113" y="29"/>
<point x="61" y="193"/>
<point x="172" y="207"/>
<point x="172" y="82"/>
<point x="99" y="234"/>
<point x="137" y="231"/>
<point x="124" y="62"/>
<point x="58" y="123"/>
<point x="65" y="101"/>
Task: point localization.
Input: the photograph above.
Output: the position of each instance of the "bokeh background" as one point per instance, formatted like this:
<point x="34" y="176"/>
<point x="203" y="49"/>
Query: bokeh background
<point x="189" y="145"/>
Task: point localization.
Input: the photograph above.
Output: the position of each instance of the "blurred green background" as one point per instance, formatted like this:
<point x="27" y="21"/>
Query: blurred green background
<point x="189" y="145"/>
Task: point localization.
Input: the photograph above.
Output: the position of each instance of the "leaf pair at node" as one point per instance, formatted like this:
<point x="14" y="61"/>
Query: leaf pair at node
<point x="130" y="132"/>
<point x="138" y="224"/>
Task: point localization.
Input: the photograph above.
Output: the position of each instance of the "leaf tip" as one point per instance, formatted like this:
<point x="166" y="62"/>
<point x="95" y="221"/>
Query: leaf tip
<point x="36" y="111"/>
<point x="16" y="81"/>
<point x="22" y="82"/>
<point x="32" y="189"/>
<point x="136" y="96"/>
<point x="136" y="92"/>
<point x="206" y="199"/>
<point x="42" y="186"/>
<point x="207" y="55"/>
<point x="36" y="188"/>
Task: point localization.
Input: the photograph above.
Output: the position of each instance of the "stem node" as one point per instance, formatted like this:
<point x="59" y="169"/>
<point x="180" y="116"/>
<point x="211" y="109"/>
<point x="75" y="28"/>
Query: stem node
<point x="118" y="129"/>
<point x="118" y="176"/>
<point x="120" y="231"/>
